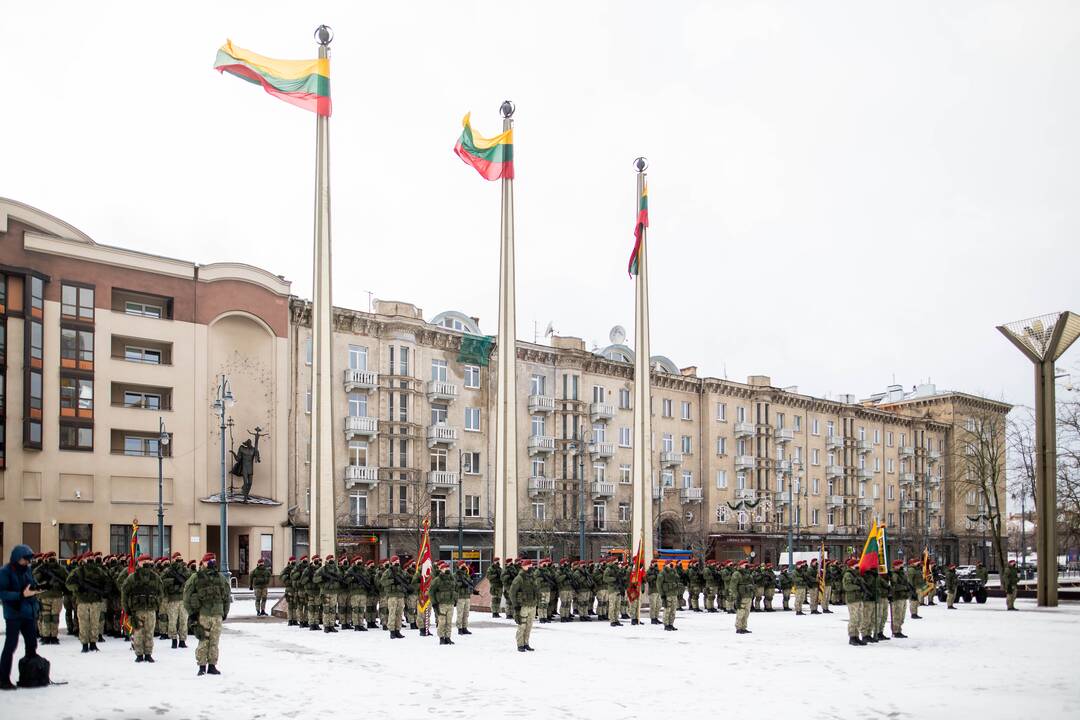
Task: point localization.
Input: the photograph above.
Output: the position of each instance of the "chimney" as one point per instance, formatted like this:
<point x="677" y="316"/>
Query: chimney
<point x="690" y="371"/>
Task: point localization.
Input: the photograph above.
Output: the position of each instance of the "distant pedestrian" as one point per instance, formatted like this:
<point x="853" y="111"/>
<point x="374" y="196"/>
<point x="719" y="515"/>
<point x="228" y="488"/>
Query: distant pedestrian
<point x="18" y="593"/>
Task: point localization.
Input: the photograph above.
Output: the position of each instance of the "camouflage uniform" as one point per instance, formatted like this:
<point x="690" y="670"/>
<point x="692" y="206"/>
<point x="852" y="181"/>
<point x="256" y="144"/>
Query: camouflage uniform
<point x="51" y="577"/>
<point x="207" y="596"/>
<point x="140" y="597"/>
<point x="495" y="588"/>
<point x="259" y="582"/>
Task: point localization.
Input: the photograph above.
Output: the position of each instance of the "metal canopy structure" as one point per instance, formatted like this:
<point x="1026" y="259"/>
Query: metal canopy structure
<point x="1043" y="340"/>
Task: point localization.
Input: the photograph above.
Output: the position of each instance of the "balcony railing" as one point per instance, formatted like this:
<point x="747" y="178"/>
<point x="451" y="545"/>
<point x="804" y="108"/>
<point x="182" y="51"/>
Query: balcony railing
<point x="834" y="471"/>
<point x="601" y="411"/>
<point x="906" y="451"/>
<point x="862" y="446"/>
<point x="745" y="494"/>
<point x="783" y="466"/>
<point x="935" y="480"/>
<point x="784" y="435"/>
<point x="744" y="462"/>
<point x="443" y="479"/>
<point x="864" y="474"/>
<point x="361" y="379"/>
<point x="690" y="494"/>
<point x="907" y="504"/>
<point x="933" y="456"/>
<point x="367" y="426"/>
<point x="541" y="485"/>
<point x="440" y="390"/>
<point x="360" y="475"/>
<point x="907" y="478"/>
<point x="866" y="503"/>
<point x="541" y="444"/>
<point x="541" y="404"/>
<point x="744" y="429"/>
<point x="657" y="492"/>
<point x="603" y="489"/>
<point x="441" y="434"/>
<point x="834" y="500"/>
<point x="780" y="499"/>
<point x="834" y="442"/>
<point x="602" y="449"/>
<point x="670" y="458"/>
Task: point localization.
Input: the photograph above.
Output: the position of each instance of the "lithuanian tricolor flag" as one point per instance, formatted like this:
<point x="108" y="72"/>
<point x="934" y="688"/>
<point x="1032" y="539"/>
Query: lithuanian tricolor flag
<point x="642" y="223"/>
<point x="304" y="83"/>
<point x="493" y="157"/>
<point x="871" y="552"/>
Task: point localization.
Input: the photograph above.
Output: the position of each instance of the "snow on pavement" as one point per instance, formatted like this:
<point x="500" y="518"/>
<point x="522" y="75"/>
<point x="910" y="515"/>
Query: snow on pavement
<point x="979" y="661"/>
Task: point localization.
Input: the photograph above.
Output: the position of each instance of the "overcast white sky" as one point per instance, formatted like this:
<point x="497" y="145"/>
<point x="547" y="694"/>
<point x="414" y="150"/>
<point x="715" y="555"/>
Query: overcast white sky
<point x="840" y="192"/>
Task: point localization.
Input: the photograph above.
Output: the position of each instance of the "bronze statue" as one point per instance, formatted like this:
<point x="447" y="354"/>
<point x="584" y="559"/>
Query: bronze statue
<point x="244" y="460"/>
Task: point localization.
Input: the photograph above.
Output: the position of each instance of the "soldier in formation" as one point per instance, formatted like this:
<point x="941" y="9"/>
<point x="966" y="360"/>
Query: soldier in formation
<point x="742" y="582"/>
<point x="524" y="595"/>
<point x="174" y="576"/>
<point x="140" y="597"/>
<point x="917" y="581"/>
<point x="260" y="582"/>
<point x="785" y="582"/>
<point x="854" y="595"/>
<point x="495" y="587"/>
<point x="465" y="590"/>
<point x="207" y="598"/>
<point x="443" y="595"/>
<point x="802" y="585"/>
<point x="90" y="584"/>
<point x="548" y="582"/>
<point x="393" y="584"/>
<point x="902" y="593"/>
<point x="671" y="591"/>
<point x="652" y="579"/>
<point x="51" y="579"/>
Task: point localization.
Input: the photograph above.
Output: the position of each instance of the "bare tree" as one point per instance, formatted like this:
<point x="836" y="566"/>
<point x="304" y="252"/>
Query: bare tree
<point x="1068" y="474"/>
<point x="981" y="462"/>
<point x="1021" y="447"/>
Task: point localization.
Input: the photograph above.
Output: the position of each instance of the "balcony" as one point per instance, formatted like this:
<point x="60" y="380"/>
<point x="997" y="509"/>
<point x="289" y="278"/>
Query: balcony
<point x="541" y="404"/>
<point x="744" y="462"/>
<point x="834" y="442"/>
<point x="657" y="492"/>
<point x="440" y="390"/>
<point x="602" y="450"/>
<point x="864" y="474"/>
<point x="780" y="499"/>
<point x="360" y="475"/>
<point x="670" y="458"/>
<point x="539" y="444"/>
<point x="365" y="426"/>
<point x="601" y="412"/>
<point x="834" y="471"/>
<point x="783" y="466"/>
<point x="935" y="506"/>
<point x="746" y="494"/>
<point x="603" y="489"/>
<point x="907" y="504"/>
<point x="744" y="429"/>
<point x="907" y="478"/>
<point x="783" y="436"/>
<point x="906" y="451"/>
<point x="442" y="479"/>
<point x="834" y="500"/>
<point x="866" y="503"/>
<point x="690" y="494"/>
<point x="541" y="485"/>
<point x="935" y="480"/>
<point x="933" y="456"/>
<point x="862" y="446"/>
<point x="361" y="380"/>
<point x="441" y="435"/>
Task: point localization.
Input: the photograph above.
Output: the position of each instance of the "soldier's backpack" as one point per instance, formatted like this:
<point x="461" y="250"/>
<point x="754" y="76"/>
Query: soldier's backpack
<point x="33" y="671"/>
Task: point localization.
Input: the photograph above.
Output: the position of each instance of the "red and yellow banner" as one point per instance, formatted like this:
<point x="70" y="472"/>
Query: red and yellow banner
<point x="424" y="567"/>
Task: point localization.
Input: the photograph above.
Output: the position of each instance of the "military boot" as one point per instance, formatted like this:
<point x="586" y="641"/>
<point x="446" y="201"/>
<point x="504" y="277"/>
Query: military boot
<point x="330" y="629"/>
<point x="346" y="626"/>
<point x="314" y="626"/>
<point x="148" y="658"/>
<point x="183" y="644"/>
<point x="93" y="647"/>
<point x="86" y="647"/>
<point x="654" y="621"/>
<point x="202" y="670"/>
<point x="175" y="643"/>
<point x="211" y="669"/>
<point x="138" y="658"/>
<point x="899" y="635"/>
<point x="635" y="621"/>
<point x="854" y="641"/>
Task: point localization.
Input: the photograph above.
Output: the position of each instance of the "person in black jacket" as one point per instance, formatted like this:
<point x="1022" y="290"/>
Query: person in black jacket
<point x="17" y="592"/>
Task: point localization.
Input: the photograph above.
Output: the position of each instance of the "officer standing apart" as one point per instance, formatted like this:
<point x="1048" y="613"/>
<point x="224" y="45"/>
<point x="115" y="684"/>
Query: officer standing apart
<point x="523" y="595"/>
<point x="744" y="596"/>
<point x="1010" y="582"/>
<point x="950" y="587"/>
<point x="140" y="596"/>
<point x="259" y="582"/>
<point x="207" y="597"/>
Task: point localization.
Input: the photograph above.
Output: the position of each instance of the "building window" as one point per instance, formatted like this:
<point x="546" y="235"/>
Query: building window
<point x="75" y="539"/>
<point x="740" y="414"/>
<point x="599" y="515"/>
<point x="537" y="385"/>
<point x="358" y="508"/>
<point x="472" y="506"/>
<point x="570" y="387"/>
<point x="438" y="511"/>
<point x="403" y="498"/>
<point x="815" y="456"/>
<point x="666" y="405"/>
<point x="862" y="433"/>
<point x="668" y="443"/>
<point x="740" y="481"/>
<point x="687" y="479"/>
<point x="598" y="394"/>
<point x="142" y="445"/>
<point x="721" y="479"/>
<point x="147" y="539"/>
<point x="624" y="399"/>
<point x="798" y="423"/>
<point x="721" y="446"/>
<point x="438" y="460"/>
<point x="470" y="463"/>
<point x="815" y="486"/>
<point x="687" y="445"/>
<point x="36" y="341"/>
<point x="35" y="392"/>
<point x="76" y="349"/>
<point x="600" y="472"/>
<point x="76" y="397"/>
<point x="667" y="478"/>
<point x="814" y="516"/>
<point x="76" y="438"/>
<point x="539" y="510"/>
<point x="438" y="413"/>
<point x="77" y="302"/>
<point x="685" y="410"/>
<point x="307" y="351"/>
<point x="139" y="399"/>
<point x="890" y="465"/>
<point x="357" y="357"/>
<point x="472" y="376"/>
<point x="815" y="427"/>
<point x="438" y="371"/>
<point x="539" y="467"/>
<point x="624" y="437"/>
<point x="721" y="412"/>
<point x="779" y="421"/>
<point x="472" y="419"/>
<point x="830" y="428"/>
<point x="538" y="426"/>
<point x="142" y="309"/>
<point x="37" y="296"/>
<point x="149" y="356"/>
<point x="307" y="401"/>
<point x="624" y="512"/>
<point x="357" y="404"/>
<point x="358" y="453"/>
<point x="625" y="477"/>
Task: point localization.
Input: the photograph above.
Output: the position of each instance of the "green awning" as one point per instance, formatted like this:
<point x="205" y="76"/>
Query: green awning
<point x="475" y="349"/>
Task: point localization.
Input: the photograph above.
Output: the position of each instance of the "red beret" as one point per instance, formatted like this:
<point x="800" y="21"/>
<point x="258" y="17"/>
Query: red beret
<point x="329" y="557"/>
<point x="394" y="559"/>
<point x="142" y="557"/>
<point x="208" y="557"/>
<point x="177" y="555"/>
<point x="292" y="558"/>
<point x="897" y="563"/>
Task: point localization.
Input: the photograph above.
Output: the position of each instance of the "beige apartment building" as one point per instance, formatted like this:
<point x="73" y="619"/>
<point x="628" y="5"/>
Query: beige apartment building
<point x="103" y="348"/>
<point x="737" y="466"/>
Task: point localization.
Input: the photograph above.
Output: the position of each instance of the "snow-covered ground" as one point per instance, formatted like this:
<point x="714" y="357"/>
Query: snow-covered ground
<point x="977" y="662"/>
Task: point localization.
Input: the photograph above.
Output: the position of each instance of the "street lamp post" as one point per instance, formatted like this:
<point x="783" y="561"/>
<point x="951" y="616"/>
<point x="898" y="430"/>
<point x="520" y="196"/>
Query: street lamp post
<point x="577" y="446"/>
<point x="163" y="442"/>
<point x="460" y="501"/>
<point x="224" y="400"/>
<point x="791" y="522"/>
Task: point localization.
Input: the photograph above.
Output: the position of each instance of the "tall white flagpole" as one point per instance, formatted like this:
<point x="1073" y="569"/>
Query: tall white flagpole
<point x="506" y="467"/>
<point x="642" y="515"/>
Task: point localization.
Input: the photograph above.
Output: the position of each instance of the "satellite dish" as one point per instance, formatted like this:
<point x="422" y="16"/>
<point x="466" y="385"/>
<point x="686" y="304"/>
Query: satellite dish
<point x="549" y="330"/>
<point x="617" y="335"/>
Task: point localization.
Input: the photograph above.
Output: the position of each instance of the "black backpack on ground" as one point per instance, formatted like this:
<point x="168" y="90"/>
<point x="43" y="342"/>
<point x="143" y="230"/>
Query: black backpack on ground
<point x="33" y="671"/>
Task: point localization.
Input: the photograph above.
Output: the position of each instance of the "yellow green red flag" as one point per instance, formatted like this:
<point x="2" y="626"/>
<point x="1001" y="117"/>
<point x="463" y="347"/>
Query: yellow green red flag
<point x="304" y="83"/>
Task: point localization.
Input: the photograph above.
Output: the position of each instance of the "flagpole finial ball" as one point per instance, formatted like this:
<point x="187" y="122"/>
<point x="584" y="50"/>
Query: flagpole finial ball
<point x="507" y="109"/>
<point x="324" y="35"/>
<point x="641" y="164"/>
